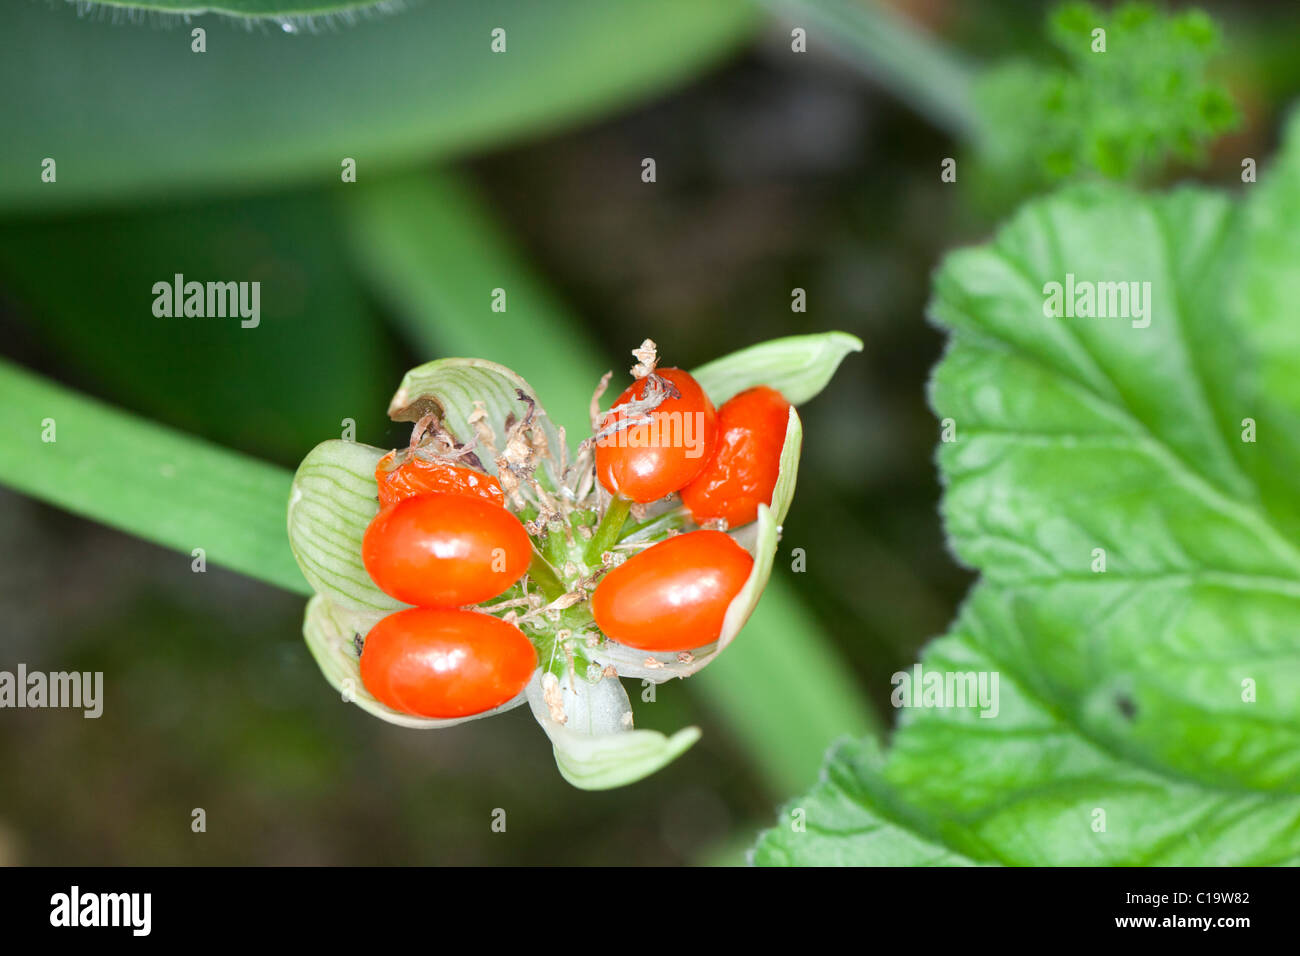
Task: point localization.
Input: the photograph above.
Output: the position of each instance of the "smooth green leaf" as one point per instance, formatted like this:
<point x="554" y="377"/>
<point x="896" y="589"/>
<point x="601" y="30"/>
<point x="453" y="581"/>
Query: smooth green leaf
<point x="595" y="745"/>
<point x="128" y="112"/>
<point x="798" y="366"/>
<point x="289" y="12"/>
<point x="1164" y="690"/>
<point x="332" y="632"/>
<point x="150" y="481"/>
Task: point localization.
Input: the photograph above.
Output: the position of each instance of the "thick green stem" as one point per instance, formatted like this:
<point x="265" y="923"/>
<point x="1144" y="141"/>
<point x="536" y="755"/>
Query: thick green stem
<point x="609" y="529"/>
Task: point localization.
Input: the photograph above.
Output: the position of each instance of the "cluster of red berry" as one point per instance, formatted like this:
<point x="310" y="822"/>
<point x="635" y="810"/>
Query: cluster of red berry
<point x="444" y="541"/>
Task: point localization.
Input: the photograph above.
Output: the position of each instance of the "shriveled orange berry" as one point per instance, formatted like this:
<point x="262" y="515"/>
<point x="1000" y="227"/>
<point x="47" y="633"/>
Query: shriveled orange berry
<point x="419" y="476"/>
<point x="742" y="471"/>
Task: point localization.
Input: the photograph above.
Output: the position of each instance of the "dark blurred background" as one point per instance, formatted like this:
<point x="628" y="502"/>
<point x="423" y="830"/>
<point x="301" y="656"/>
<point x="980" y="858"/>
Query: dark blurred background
<point x="775" y="172"/>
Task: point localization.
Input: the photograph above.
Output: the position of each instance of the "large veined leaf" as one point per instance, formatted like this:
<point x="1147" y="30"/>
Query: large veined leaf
<point x="1127" y="487"/>
<point x="126" y="111"/>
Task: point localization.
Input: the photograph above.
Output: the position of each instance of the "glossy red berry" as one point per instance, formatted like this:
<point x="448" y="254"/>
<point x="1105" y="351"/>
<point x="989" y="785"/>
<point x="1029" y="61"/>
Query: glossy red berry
<point x="647" y="461"/>
<point x="674" y="595"/>
<point x="444" y="550"/>
<point x="419" y="476"/>
<point x="434" y="662"/>
<point x="742" y="471"/>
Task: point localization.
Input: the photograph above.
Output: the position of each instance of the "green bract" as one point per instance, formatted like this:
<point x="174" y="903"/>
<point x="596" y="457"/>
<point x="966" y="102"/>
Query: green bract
<point x="575" y="694"/>
<point x="1130" y="495"/>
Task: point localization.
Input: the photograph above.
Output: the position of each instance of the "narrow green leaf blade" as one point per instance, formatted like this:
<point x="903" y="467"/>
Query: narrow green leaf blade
<point x="128" y="112"/>
<point x="150" y="481"/>
<point x="299" y="10"/>
<point x="430" y="250"/>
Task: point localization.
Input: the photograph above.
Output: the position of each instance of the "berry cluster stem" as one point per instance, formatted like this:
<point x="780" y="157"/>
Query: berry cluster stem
<point x="608" y="531"/>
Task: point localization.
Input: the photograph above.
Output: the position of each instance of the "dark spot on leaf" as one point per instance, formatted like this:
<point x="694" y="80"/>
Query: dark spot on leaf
<point x="1126" y="706"/>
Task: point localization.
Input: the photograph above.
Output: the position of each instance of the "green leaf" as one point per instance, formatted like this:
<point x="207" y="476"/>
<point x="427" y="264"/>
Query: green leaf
<point x="331" y="633"/>
<point x="131" y="112"/>
<point x="798" y="366"/>
<point x="868" y="821"/>
<point x="289" y="12"/>
<point x="150" y="481"/>
<point x="595" y="746"/>
<point x="1164" y="690"/>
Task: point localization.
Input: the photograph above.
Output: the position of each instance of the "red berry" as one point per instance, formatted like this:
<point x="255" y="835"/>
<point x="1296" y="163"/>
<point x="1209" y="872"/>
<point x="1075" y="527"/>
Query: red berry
<point x="433" y="662"/>
<point x="445" y="550"/>
<point x="674" y="595"/>
<point x="742" y="471"/>
<point x="418" y="476"/>
<point x="645" y="462"/>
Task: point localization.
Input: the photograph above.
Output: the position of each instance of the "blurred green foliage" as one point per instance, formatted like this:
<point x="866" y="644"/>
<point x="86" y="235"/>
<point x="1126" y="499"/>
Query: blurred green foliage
<point x="1133" y="90"/>
<point x="129" y="113"/>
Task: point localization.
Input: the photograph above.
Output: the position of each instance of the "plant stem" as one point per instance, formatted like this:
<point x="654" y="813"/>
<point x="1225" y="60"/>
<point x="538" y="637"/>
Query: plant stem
<point x="607" y="532"/>
<point x="544" y="576"/>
